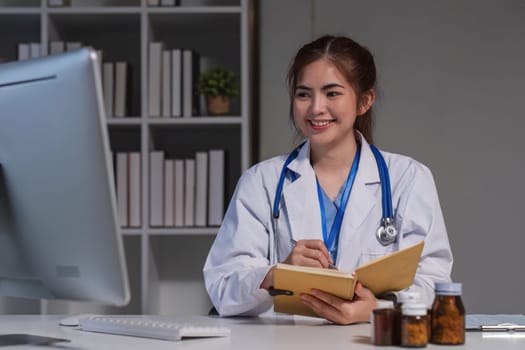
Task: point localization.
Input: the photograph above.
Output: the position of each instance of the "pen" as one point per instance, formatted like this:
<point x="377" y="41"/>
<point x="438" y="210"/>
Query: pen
<point x="504" y="327"/>
<point x="330" y="266"/>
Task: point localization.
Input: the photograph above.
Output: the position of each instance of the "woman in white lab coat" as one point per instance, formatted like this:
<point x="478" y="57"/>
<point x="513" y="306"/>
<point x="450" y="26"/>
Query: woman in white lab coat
<point x="331" y="83"/>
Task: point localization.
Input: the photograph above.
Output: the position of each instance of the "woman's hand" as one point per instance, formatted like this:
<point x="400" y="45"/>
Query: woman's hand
<point x="306" y="252"/>
<point x="309" y="252"/>
<point x="341" y="311"/>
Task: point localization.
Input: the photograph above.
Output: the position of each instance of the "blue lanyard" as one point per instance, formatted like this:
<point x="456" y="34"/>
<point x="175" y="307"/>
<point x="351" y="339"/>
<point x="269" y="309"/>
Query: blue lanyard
<point x="331" y="241"/>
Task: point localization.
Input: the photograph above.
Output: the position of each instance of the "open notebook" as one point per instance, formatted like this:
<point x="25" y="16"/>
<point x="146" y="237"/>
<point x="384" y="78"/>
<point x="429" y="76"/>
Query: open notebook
<point x="391" y="272"/>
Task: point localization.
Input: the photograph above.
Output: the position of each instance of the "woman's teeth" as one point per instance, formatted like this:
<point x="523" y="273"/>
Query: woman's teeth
<point x="320" y="122"/>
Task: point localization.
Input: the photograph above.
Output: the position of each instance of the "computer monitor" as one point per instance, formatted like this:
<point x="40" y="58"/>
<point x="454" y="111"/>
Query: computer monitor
<point x="59" y="235"/>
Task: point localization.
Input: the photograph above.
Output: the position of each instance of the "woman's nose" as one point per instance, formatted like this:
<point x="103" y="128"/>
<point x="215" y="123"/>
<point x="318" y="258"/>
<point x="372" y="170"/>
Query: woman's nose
<point x="318" y="104"/>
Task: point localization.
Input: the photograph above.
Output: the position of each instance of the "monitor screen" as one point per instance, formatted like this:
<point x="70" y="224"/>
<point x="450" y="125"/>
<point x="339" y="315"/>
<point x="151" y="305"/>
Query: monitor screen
<point x="59" y="235"/>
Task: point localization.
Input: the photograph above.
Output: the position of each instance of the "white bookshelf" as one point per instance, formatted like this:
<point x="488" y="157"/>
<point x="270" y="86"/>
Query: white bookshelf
<point x="164" y="264"/>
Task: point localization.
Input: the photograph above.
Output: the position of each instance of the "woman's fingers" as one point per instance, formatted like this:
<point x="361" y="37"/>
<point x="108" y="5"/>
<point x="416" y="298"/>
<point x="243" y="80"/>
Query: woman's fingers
<point x="310" y="253"/>
<point x="325" y="305"/>
<point x="318" y="245"/>
<point x="338" y="310"/>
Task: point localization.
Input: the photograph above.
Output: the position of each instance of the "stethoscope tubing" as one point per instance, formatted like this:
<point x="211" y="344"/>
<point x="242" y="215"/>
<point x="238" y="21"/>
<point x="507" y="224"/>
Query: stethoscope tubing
<point x="282" y="177"/>
<point x="386" y="192"/>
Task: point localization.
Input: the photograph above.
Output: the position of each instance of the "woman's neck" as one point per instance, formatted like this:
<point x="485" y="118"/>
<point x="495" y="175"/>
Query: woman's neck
<point x="334" y="158"/>
<point x="332" y="165"/>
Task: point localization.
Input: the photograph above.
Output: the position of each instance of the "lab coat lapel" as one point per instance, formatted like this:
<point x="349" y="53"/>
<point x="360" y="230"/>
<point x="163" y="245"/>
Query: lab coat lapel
<point x="364" y="191"/>
<point x="300" y="199"/>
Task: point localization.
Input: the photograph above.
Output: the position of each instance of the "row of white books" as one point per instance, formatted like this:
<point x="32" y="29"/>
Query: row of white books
<point x="128" y="185"/>
<point x="34" y="50"/>
<point x="115" y="85"/>
<point x="182" y="192"/>
<point x="172" y="78"/>
<point x="115" y="75"/>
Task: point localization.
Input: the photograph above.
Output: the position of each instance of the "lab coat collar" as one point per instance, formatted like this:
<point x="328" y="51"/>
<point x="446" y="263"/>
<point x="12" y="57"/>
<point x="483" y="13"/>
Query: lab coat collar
<point x="368" y="171"/>
<point x="301" y="200"/>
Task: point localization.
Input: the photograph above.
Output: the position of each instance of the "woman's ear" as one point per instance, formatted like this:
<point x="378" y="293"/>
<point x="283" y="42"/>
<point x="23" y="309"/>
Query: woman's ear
<point x="366" y="101"/>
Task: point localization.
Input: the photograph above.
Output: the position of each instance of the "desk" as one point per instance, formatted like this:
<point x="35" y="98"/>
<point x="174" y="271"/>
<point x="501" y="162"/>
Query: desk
<point x="277" y="332"/>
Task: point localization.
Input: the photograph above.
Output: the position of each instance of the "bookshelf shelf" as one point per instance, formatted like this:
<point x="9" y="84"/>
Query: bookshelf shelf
<point x="131" y="121"/>
<point x="164" y="263"/>
<point x="183" y="231"/>
<point x="94" y="10"/>
<point x="131" y="232"/>
<point x="195" y="10"/>
<point x="201" y="120"/>
<point x="6" y="4"/>
<point x="21" y="11"/>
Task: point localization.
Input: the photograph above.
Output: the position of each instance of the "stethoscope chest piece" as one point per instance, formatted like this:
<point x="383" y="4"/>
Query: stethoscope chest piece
<point x="386" y="233"/>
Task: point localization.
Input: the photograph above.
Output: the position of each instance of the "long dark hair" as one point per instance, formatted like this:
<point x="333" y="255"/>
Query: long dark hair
<point x="354" y="61"/>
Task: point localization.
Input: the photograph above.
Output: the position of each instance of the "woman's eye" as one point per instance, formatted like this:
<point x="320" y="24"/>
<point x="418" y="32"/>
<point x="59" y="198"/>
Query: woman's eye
<point x="332" y="93"/>
<point x="301" y="94"/>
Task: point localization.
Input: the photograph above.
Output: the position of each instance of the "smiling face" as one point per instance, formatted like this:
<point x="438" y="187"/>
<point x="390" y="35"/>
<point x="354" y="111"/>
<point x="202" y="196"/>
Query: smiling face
<point x="325" y="105"/>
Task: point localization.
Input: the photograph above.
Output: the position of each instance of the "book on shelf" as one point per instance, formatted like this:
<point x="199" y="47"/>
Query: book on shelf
<point x="189" y="192"/>
<point x="216" y="187"/>
<point x="134" y="179"/>
<point x="176" y="83"/>
<point x="73" y="45"/>
<point x="179" y="192"/>
<point x="166" y="83"/>
<point x="23" y="51"/>
<point x="155" y="78"/>
<point x="169" y="182"/>
<point x="392" y="272"/>
<point x="190" y="73"/>
<point x="108" y="86"/>
<point x="168" y="2"/>
<point x="156" y="185"/>
<point x="122" y="187"/>
<point x="56" y="47"/>
<point x="205" y="64"/>
<point x="121" y="89"/>
<point x="201" y="188"/>
<point x="58" y="3"/>
<point x="99" y="58"/>
<point x="34" y="50"/>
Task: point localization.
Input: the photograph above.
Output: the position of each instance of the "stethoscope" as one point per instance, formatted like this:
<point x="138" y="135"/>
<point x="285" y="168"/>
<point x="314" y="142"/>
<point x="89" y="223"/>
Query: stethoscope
<point x="386" y="233"/>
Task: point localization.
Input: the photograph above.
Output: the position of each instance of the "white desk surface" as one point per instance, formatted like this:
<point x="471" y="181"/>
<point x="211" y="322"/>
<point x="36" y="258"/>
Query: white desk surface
<point x="279" y="332"/>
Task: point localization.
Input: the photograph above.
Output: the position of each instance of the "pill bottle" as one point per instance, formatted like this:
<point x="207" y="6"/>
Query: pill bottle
<point x="381" y="322"/>
<point x="414" y="325"/>
<point x="402" y="297"/>
<point x="448" y="315"/>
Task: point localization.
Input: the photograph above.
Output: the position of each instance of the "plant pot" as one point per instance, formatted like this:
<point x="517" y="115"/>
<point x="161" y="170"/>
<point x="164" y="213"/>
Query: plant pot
<point x="218" y="105"/>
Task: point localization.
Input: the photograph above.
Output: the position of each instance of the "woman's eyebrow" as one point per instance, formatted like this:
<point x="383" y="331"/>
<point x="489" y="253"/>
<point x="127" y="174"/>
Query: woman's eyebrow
<point x="324" y="87"/>
<point x="331" y="86"/>
<point x="303" y="87"/>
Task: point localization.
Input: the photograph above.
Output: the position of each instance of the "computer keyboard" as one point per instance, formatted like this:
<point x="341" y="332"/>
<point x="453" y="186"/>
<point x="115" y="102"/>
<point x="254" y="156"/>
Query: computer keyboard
<point x="150" y="328"/>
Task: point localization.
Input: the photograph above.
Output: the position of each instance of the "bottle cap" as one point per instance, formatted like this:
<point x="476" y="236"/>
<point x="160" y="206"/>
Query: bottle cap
<point x="384" y="304"/>
<point x="414" y="309"/>
<point x="407" y="297"/>
<point x="448" y="288"/>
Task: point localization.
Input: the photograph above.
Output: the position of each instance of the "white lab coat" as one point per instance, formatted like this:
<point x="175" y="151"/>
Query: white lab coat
<point x="250" y="241"/>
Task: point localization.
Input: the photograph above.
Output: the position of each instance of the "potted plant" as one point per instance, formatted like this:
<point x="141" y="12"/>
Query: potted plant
<point x="219" y="85"/>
